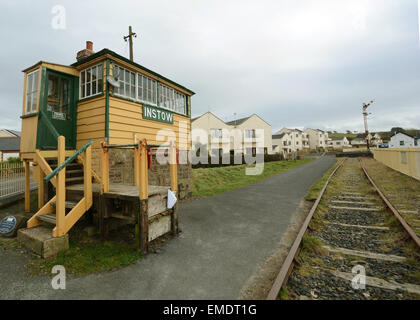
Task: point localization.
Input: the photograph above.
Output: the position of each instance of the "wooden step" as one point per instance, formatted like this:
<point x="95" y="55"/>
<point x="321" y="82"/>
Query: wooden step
<point x="70" y="166"/>
<point x="48" y="218"/>
<point x="69" y="204"/>
<point x="74" y="173"/>
<point x="75" y="180"/>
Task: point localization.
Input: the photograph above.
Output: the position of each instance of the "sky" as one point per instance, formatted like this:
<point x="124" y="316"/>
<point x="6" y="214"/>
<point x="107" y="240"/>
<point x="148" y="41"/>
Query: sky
<point x="294" y="63"/>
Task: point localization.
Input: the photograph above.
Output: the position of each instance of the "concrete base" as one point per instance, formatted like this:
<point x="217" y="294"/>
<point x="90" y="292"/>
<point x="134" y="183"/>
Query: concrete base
<point x="41" y="241"/>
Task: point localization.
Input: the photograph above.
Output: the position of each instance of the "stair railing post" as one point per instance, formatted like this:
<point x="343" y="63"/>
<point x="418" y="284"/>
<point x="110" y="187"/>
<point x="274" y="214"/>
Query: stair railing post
<point x="173" y="170"/>
<point x="104" y="168"/>
<point x="173" y="167"/>
<point x="87" y="174"/>
<point x="41" y="187"/>
<point x="61" y="189"/>
<point x="143" y="174"/>
<point x="142" y="225"/>
<point x="136" y="160"/>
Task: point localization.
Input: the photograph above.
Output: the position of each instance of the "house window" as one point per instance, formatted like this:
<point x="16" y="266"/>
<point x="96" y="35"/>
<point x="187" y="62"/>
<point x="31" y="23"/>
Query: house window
<point x="401" y="143"/>
<point x="297" y="142"/>
<point x="91" y="81"/>
<point x="216" y="133"/>
<point x="31" y="92"/>
<point x="146" y="89"/>
<point x="249" y="133"/>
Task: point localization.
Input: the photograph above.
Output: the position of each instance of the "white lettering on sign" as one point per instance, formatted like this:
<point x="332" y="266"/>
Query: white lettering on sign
<point x="153" y="113"/>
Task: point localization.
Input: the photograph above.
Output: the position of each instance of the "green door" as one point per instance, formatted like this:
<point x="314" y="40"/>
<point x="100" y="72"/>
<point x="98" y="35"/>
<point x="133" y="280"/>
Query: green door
<point x="57" y="114"/>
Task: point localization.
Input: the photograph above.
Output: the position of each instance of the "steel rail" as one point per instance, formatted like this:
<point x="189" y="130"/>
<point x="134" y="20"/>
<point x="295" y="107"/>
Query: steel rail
<point x="288" y="263"/>
<point x="397" y="215"/>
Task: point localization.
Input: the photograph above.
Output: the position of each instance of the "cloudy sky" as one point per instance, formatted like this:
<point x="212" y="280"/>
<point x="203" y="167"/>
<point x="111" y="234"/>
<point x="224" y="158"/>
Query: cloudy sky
<point x="294" y="63"/>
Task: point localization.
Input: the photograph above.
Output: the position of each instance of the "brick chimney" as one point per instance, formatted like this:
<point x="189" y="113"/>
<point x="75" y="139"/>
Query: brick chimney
<point x="82" y="54"/>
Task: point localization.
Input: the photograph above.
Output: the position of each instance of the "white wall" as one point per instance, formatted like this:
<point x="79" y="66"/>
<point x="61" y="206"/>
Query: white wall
<point x="395" y="141"/>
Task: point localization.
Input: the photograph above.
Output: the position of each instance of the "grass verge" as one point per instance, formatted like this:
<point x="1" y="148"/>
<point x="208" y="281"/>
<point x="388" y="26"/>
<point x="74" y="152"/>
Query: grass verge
<point x="88" y="257"/>
<point x="316" y="188"/>
<point x="211" y="181"/>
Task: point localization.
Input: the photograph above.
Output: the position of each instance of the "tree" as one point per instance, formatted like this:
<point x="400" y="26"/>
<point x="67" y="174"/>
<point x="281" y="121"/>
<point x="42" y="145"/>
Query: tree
<point x="397" y="129"/>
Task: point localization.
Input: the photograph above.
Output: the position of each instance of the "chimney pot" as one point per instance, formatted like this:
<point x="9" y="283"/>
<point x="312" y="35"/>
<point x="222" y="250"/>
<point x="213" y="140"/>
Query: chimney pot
<point x="82" y="54"/>
<point x="89" y="45"/>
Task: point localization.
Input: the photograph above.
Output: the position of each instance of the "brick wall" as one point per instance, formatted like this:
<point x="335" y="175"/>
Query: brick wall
<point x="121" y="170"/>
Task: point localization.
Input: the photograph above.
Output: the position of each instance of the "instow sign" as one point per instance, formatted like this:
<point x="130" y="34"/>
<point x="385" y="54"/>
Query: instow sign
<point x="157" y="114"/>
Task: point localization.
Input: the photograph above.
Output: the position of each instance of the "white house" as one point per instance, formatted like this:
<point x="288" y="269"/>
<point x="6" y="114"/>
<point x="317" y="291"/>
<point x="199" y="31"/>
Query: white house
<point x="292" y="140"/>
<point x="239" y="135"/>
<point x="213" y="127"/>
<point x="339" y="143"/>
<point x="360" y="140"/>
<point x="250" y="128"/>
<point x="316" y="138"/>
<point x="402" y="140"/>
<point x="9" y="143"/>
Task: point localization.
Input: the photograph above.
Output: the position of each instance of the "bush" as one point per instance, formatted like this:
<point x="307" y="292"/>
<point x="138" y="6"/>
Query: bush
<point x="218" y="161"/>
<point x="13" y="160"/>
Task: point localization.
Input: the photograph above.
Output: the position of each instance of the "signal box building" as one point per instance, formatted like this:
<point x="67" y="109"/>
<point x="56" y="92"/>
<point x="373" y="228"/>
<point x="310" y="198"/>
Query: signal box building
<point x="104" y="113"/>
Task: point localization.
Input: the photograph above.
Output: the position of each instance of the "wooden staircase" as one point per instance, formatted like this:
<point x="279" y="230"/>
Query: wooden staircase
<point x="62" y="172"/>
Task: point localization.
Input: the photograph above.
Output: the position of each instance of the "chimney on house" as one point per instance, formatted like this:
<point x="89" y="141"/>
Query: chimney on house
<point x="82" y="54"/>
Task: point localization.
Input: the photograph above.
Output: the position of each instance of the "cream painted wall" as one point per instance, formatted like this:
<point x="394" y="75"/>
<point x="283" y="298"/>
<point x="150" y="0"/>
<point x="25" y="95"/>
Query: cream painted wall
<point x="209" y="121"/>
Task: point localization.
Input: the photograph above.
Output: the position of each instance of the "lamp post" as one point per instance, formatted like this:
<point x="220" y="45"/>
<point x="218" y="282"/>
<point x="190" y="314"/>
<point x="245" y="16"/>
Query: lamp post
<point x="365" y="114"/>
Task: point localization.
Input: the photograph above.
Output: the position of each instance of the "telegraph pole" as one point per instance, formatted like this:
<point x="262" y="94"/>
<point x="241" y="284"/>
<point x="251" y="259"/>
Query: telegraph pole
<point x="365" y="114"/>
<point x="130" y="40"/>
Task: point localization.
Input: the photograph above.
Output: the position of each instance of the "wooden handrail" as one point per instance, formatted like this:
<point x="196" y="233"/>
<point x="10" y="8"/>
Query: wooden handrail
<point x="66" y="162"/>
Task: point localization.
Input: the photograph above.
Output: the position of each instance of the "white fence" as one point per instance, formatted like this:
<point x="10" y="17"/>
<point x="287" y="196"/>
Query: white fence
<point x="12" y="179"/>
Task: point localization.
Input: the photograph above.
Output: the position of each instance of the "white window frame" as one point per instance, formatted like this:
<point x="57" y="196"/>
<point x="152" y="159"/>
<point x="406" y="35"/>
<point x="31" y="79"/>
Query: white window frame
<point x="126" y="82"/>
<point x="173" y="99"/>
<point x="148" y="86"/>
<point x="90" y="83"/>
<point x="34" y="93"/>
<point x="161" y="95"/>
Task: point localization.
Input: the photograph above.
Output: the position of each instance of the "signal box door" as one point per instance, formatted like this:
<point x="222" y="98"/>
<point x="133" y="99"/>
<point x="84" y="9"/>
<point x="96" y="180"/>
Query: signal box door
<point x="57" y="110"/>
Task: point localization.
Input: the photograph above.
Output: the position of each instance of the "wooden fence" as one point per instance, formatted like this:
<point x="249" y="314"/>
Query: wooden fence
<point x="405" y="160"/>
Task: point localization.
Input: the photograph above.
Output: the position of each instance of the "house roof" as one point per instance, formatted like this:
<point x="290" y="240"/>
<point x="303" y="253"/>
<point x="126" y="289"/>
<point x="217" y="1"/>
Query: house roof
<point x="14" y="132"/>
<point x="242" y="120"/>
<point x="277" y="136"/>
<point x="238" y="121"/>
<point x="193" y="119"/>
<point x="337" y="138"/>
<point x="9" y="143"/>
<point x="116" y="55"/>
<point x="408" y="135"/>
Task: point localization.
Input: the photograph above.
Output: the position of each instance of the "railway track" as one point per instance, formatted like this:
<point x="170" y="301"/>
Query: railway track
<point x="353" y="245"/>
